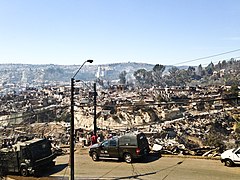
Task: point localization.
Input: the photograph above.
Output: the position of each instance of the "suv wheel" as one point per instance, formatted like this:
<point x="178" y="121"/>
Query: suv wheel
<point x="24" y="171"/>
<point x="94" y="156"/>
<point x="127" y="158"/>
<point x="228" y="163"/>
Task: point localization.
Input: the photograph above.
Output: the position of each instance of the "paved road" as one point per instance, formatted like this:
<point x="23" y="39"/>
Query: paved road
<point x="153" y="167"/>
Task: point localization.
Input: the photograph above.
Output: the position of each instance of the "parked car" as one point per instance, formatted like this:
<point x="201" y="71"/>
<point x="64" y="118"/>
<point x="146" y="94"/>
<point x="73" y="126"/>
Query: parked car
<point x="27" y="157"/>
<point x="127" y="147"/>
<point x="231" y="157"/>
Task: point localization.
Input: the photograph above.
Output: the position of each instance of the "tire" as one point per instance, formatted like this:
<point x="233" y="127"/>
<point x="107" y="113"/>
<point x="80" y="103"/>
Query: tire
<point x="228" y="163"/>
<point x="24" y="171"/>
<point x="127" y="158"/>
<point x="95" y="156"/>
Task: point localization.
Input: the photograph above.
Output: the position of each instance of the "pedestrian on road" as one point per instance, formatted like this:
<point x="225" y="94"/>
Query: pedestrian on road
<point x="94" y="139"/>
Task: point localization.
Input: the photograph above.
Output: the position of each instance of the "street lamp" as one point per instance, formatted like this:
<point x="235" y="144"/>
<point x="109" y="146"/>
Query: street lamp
<point x="72" y="122"/>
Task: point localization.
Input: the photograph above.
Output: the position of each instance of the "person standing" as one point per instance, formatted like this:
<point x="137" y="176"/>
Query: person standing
<point x="94" y="139"/>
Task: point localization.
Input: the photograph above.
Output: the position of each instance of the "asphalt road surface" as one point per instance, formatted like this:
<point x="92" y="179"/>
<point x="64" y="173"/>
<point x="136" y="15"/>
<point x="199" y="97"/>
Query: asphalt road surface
<point x="153" y="167"/>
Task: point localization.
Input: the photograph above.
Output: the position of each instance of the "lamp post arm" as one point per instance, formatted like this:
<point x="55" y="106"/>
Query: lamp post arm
<point x="90" y="61"/>
<point x="79" y="69"/>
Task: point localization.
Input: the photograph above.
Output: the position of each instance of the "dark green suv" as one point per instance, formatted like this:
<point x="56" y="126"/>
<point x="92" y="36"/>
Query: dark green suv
<point x="127" y="147"/>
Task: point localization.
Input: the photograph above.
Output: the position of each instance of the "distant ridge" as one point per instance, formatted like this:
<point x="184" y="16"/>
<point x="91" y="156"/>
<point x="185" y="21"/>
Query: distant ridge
<point x="36" y="73"/>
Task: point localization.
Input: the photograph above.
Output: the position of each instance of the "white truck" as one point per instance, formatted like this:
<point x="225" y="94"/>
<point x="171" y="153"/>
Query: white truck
<point x="231" y="157"/>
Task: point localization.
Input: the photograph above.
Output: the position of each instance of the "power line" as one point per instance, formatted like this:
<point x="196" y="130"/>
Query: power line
<point x="207" y="57"/>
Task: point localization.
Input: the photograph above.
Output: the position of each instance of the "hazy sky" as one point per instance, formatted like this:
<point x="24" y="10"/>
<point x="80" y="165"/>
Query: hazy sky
<point x="110" y="31"/>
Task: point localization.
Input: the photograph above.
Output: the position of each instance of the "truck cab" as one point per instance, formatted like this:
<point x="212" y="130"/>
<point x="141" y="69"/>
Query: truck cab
<point x="231" y="157"/>
<point x="27" y="157"/>
<point x="127" y="147"/>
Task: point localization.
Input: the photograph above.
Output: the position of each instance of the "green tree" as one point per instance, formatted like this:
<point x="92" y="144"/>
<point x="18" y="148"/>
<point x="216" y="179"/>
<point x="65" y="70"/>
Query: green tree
<point x="179" y="77"/>
<point x="224" y="64"/>
<point x="171" y="78"/>
<point x="122" y="77"/>
<point x="210" y="68"/>
<point x="191" y="72"/>
<point x="234" y="90"/>
<point x="199" y="70"/>
<point x="157" y="74"/>
<point x="140" y="75"/>
<point x="218" y="66"/>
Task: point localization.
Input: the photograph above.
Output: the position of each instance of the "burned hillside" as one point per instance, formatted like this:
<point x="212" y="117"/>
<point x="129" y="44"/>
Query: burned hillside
<point x="177" y="119"/>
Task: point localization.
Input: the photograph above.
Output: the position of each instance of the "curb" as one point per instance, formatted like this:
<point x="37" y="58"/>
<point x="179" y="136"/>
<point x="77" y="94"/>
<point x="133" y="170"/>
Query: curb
<point x="190" y="157"/>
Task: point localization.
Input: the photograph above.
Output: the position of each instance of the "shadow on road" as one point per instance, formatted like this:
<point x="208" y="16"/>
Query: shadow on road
<point x="138" y="176"/>
<point x="53" y="170"/>
<point x="43" y="174"/>
<point x="153" y="156"/>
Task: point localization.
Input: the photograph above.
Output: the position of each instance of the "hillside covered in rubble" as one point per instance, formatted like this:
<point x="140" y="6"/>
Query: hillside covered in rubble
<point x="197" y="118"/>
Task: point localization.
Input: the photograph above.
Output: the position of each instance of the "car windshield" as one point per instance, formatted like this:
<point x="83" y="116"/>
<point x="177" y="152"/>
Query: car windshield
<point x="105" y="143"/>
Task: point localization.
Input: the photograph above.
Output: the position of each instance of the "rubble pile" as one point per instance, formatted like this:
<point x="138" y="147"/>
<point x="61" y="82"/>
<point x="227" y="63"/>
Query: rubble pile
<point x="196" y="121"/>
<point x="193" y="135"/>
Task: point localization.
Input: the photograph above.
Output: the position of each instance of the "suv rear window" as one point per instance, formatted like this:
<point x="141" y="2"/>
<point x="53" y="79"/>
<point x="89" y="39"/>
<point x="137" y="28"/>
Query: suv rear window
<point x="128" y="141"/>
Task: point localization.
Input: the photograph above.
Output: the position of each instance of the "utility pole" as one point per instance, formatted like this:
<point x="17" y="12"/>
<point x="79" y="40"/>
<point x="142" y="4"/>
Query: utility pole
<point x="95" y="108"/>
<point x="72" y="136"/>
<point x="72" y="131"/>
